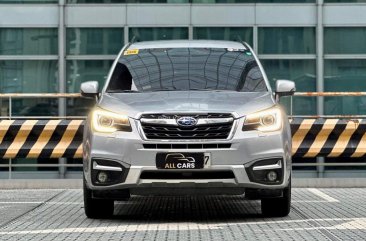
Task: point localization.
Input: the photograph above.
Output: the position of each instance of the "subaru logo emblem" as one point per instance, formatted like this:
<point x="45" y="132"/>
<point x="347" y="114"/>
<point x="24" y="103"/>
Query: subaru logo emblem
<point x="186" y="121"/>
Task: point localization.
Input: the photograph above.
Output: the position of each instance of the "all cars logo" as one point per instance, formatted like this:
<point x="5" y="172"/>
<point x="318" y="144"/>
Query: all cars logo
<point x="178" y="160"/>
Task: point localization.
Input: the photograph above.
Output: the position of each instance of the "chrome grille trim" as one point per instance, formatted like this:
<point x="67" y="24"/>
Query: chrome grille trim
<point x="165" y="127"/>
<point x="173" y="122"/>
<point x="194" y="115"/>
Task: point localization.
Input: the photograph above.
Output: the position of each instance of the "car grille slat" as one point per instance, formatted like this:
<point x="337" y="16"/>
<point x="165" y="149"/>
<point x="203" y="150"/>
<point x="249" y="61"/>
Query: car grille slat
<point x="188" y="146"/>
<point x="151" y="127"/>
<point x="204" y="131"/>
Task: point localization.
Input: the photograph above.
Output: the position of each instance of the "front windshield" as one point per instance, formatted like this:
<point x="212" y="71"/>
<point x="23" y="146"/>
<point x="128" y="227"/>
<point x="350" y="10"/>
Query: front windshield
<point x="187" y="69"/>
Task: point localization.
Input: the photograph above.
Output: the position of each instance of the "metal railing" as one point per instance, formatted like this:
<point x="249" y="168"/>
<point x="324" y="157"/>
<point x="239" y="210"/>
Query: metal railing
<point x="326" y="94"/>
<point x="11" y="96"/>
<point x="329" y="94"/>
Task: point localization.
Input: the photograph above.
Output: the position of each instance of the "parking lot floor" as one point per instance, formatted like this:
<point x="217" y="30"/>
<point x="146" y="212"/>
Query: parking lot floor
<point x="316" y="214"/>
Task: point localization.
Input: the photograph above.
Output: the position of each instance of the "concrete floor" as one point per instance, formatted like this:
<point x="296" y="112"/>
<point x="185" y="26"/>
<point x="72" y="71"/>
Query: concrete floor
<point x="317" y="214"/>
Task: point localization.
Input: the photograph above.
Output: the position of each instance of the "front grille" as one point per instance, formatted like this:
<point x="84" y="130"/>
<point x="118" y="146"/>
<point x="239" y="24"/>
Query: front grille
<point x="188" y="146"/>
<point x="203" y="131"/>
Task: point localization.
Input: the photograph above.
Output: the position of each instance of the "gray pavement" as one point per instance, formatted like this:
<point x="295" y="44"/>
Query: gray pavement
<point x="317" y="214"/>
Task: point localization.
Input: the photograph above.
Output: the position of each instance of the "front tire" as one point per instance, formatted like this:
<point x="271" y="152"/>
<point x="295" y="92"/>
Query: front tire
<point x="279" y="206"/>
<point x="97" y="208"/>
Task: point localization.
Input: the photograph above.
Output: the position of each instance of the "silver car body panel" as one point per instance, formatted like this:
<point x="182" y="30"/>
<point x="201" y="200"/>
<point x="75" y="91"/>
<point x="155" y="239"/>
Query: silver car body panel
<point x="136" y="104"/>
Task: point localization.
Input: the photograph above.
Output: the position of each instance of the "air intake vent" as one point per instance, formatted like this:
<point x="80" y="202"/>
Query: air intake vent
<point x="187" y="175"/>
<point x="188" y="146"/>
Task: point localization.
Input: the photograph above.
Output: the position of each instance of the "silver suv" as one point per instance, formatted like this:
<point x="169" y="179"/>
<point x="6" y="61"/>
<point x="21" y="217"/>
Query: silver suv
<point x="187" y="118"/>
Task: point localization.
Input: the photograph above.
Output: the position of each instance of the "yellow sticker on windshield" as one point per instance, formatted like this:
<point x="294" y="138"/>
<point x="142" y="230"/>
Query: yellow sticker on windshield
<point x="131" y="52"/>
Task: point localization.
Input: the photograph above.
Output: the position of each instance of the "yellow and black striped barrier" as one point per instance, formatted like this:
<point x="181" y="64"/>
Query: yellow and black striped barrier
<point x="63" y="138"/>
<point x="41" y="138"/>
<point x="328" y="137"/>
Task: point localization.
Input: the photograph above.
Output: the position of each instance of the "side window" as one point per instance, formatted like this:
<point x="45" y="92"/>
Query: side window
<point x="121" y="79"/>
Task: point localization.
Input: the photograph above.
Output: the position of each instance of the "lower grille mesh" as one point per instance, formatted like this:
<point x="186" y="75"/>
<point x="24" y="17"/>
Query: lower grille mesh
<point x="188" y="146"/>
<point x="187" y="175"/>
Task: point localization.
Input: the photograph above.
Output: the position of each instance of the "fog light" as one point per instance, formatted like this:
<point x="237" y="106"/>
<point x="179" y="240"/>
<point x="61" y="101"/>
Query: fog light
<point x="102" y="177"/>
<point x="272" y="176"/>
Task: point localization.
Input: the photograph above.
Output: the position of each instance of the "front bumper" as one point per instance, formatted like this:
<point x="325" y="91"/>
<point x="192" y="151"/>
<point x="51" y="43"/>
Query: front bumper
<point x="127" y="149"/>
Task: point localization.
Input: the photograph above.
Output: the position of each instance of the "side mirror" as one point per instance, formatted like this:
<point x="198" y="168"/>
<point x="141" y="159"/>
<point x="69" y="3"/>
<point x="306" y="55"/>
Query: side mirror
<point x="89" y="89"/>
<point x="285" y="88"/>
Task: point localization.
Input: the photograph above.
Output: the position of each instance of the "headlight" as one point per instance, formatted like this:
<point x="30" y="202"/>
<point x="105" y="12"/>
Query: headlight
<point x="105" y="121"/>
<point x="267" y="120"/>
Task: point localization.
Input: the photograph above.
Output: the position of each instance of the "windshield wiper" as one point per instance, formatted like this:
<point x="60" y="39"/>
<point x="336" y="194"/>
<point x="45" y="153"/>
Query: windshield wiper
<point x="123" y="91"/>
<point x="192" y="89"/>
<point x="196" y="89"/>
<point x="207" y="89"/>
<point x="166" y="89"/>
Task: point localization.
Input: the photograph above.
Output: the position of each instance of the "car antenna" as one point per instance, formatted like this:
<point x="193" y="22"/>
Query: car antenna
<point x="133" y="40"/>
<point x="239" y="39"/>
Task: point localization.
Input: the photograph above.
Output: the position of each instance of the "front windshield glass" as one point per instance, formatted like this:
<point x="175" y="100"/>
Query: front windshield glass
<point x="187" y="69"/>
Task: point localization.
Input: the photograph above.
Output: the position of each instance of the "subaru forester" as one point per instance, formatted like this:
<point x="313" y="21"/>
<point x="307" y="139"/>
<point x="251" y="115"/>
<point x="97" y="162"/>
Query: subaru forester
<point x="187" y="117"/>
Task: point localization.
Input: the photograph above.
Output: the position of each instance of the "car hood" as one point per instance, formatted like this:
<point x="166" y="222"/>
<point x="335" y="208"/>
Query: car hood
<point x="135" y="104"/>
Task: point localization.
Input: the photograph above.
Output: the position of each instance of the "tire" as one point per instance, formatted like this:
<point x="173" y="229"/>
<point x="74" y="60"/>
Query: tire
<point x="97" y="208"/>
<point x="279" y="206"/>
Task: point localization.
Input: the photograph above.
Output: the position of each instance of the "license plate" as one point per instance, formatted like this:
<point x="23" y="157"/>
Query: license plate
<point x="177" y="160"/>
